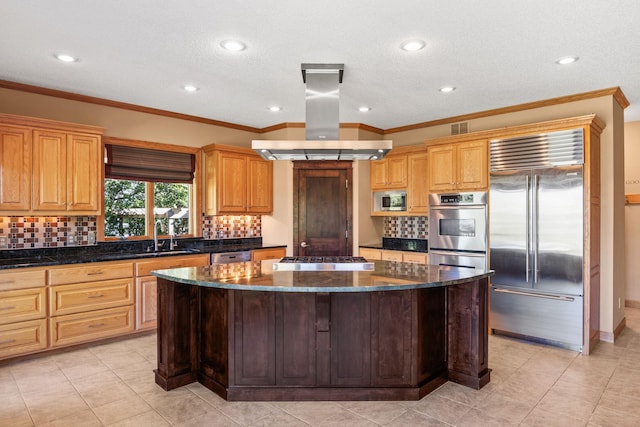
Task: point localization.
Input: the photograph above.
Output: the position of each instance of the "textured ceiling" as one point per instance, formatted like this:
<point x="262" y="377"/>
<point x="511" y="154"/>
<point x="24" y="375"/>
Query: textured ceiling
<point x="496" y="53"/>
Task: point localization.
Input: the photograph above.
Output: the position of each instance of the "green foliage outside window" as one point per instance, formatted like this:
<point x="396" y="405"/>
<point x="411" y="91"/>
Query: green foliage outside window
<point x="125" y="212"/>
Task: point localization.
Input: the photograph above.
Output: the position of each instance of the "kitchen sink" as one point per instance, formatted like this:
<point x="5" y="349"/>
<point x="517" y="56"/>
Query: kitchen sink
<point x="120" y="255"/>
<point x="165" y="253"/>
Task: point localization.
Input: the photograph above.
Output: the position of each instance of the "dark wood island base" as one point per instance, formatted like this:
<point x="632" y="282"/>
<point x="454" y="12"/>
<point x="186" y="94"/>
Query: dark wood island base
<point x="255" y="345"/>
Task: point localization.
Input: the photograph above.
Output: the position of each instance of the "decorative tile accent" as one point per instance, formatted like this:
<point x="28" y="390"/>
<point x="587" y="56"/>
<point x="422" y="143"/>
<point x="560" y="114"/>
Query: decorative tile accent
<point x="406" y="227"/>
<point x="47" y="232"/>
<point x="231" y="226"/>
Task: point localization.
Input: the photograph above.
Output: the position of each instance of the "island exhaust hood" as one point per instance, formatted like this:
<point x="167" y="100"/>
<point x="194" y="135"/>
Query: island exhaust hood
<point x="322" y="124"/>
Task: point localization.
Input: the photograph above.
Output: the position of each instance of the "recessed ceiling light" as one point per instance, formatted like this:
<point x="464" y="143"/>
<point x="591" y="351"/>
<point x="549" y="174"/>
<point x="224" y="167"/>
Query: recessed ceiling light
<point x="447" y="89"/>
<point x="565" y="60"/>
<point x="275" y="108"/>
<point x="66" y="58"/>
<point x="233" y="45"/>
<point x="364" y="109"/>
<point x="412" y="45"/>
<point x="190" y="88"/>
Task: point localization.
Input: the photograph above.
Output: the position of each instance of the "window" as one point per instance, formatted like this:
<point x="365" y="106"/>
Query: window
<point x="126" y="212"/>
<point x="146" y="189"/>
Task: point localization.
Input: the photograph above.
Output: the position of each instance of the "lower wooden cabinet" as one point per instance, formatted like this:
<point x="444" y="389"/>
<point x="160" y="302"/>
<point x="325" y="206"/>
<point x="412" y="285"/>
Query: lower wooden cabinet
<point x="397" y="256"/>
<point x="23" y="337"/>
<point x="83" y="327"/>
<point x="23" y="311"/>
<point x="267" y="254"/>
<point x="83" y="297"/>
<point x="146" y="302"/>
<point x="146" y="285"/>
<point x="22" y="304"/>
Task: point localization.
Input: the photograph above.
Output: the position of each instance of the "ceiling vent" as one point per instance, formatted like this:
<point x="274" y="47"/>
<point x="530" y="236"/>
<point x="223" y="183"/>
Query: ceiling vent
<point x="458" y="128"/>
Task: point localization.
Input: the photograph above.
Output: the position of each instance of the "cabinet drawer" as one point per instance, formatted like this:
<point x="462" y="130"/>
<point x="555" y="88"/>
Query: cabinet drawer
<point x="21" y="305"/>
<point x="23" y="337"/>
<point x="264" y="254"/>
<point x="416" y="258"/>
<point x="144" y="268"/>
<point x="90" y="273"/>
<point x="371" y="254"/>
<point x="68" y="299"/>
<point x="392" y="256"/>
<point x="21" y="279"/>
<point x="76" y="328"/>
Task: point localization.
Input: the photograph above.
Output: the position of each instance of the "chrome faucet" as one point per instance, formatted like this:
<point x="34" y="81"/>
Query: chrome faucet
<point x="155" y="235"/>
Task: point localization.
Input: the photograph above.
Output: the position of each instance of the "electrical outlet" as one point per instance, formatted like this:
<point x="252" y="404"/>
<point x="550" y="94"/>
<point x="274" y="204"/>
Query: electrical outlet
<point x="3" y="242"/>
<point x="91" y="237"/>
<point x="71" y="239"/>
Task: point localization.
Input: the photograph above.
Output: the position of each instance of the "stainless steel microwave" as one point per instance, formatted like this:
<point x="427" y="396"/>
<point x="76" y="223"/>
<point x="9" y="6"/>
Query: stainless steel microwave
<point x="390" y="201"/>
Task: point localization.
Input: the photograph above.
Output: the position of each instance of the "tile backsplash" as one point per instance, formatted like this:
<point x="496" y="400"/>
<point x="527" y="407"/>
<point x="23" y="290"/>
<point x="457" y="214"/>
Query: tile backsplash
<point x="33" y="232"/>
<point x="406" y="227"/>
<point x="231" y="226"/>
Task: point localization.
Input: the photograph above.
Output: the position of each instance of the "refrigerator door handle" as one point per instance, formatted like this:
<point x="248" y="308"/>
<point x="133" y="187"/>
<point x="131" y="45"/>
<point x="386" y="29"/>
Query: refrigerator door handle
<point x="528" y="231"/>
<point x="533" y="294"/>
<point x="534" y="224"/>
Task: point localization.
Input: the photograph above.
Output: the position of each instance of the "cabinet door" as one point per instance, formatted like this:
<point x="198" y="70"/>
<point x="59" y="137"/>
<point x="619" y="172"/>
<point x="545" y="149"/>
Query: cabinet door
<point x="371" y="254"/>
<point x="255" y="341"/>
<point x="15" y="168"/>
<point x="295" y="338"/>
<point x="391" y="355"/>
<point x="472" y="165"/>
<point x="231" y="183"/>
<point x="397" y="172"/>
<point x="441" y="168"/>
<point x="83" y="178"/>
<point x="49" y="171"/>
<point x="146" y="302"/>
<point x="378" y="174"/>
<point x="350" y="339"/>
<point x="259" y="185"/>
<point x="418" y="183"/>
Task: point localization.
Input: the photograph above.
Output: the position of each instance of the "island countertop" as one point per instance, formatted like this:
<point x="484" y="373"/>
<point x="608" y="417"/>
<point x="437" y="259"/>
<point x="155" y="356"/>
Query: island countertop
<point x="386" y="276"/>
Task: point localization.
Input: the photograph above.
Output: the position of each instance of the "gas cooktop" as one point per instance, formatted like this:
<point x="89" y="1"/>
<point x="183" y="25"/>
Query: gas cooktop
<point x="324" y="263"/>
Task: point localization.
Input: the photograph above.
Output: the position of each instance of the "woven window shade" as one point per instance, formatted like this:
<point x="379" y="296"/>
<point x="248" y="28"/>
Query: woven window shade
<point x="142" y="164"/>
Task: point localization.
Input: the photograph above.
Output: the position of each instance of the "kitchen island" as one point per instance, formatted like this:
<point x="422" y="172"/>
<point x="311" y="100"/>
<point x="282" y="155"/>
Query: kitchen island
<point x="393" y="333"/>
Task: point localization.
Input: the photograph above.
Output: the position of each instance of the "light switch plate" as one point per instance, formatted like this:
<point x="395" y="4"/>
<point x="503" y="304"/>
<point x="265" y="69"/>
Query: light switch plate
<point x="92" y="237"/>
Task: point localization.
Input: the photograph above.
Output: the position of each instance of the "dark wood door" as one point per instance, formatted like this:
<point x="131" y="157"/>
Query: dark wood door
<point x="322" y="208"/>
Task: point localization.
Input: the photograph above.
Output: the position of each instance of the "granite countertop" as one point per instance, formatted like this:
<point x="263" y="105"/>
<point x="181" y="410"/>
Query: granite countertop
<point x="386" y="276"/>
<point x="399" y="244"/>
<point x="120" y="250"/>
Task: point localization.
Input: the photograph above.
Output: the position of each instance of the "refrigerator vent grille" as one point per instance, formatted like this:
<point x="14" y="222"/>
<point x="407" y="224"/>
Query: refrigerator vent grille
<point x="538" y="151"/>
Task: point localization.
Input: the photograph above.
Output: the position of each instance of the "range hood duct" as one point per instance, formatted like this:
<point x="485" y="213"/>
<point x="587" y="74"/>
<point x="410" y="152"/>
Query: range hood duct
<point x="322" y="124"/>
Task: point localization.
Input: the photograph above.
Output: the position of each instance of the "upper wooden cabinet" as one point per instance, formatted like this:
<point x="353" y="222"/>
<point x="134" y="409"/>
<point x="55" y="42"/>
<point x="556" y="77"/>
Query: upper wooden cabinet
<point x="49" y="167"/>
<point x="458" y="167"/>
<point x="237" y="181"/>
<point x="66" y="172"/>
<point x="418" y="183"/>
<point x="389" y="173"/>
<point x="15" y="168"/>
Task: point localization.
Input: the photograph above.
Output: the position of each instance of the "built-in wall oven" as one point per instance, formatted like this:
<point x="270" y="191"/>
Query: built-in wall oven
<point x="458" y="229"/>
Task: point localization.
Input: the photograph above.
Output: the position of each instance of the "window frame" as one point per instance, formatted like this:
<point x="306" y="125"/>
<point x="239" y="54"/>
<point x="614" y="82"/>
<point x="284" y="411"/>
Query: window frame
<point x="195" y="197"/>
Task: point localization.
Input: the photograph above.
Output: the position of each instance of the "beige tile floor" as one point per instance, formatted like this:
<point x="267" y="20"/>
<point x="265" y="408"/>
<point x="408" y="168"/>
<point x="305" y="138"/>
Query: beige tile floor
<point x="531" y="385"/>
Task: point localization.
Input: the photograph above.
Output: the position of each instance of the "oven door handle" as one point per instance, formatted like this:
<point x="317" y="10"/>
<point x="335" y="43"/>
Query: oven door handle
<point x="457" y="253"/>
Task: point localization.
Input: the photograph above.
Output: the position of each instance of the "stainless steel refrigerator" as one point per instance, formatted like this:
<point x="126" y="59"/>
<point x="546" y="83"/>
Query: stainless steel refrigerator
<point x="536" y="223"/>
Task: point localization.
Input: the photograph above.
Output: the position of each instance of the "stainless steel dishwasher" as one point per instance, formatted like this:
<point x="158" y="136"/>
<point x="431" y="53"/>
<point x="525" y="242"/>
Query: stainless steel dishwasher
<point x="230" y="257"/>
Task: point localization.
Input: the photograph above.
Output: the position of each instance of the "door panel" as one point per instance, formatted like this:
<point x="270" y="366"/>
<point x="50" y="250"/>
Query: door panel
<point x="508" y="225"/>
<point x="559" y="229"/>
<point x="323" y="211"/>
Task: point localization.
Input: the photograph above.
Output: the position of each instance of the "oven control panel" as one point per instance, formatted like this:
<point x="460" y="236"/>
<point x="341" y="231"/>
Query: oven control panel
<point x="473" y="198"/>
